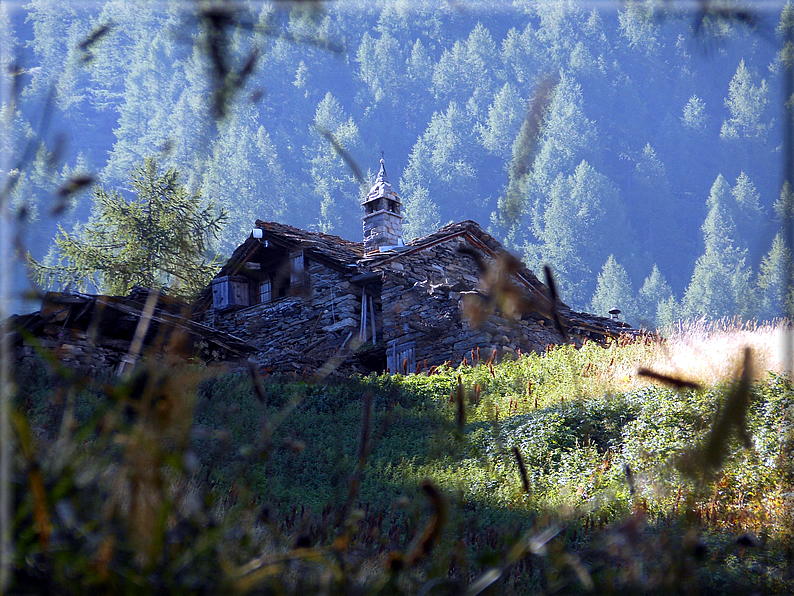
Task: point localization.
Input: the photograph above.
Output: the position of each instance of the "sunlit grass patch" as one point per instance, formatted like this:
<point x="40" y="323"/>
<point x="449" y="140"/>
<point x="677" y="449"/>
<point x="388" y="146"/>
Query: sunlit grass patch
<point x="711" y="352"/>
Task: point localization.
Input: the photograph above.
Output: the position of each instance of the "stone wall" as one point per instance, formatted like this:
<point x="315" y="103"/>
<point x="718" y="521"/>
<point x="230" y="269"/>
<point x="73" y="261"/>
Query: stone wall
<point x="423" y="297"/>
<point x="72" y="350"/>
<point x="302" y="332"/>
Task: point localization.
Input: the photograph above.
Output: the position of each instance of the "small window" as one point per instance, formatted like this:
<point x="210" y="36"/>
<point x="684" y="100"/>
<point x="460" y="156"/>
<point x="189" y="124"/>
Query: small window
<point x="265" y="291"/>
<point x="296" y="269"/>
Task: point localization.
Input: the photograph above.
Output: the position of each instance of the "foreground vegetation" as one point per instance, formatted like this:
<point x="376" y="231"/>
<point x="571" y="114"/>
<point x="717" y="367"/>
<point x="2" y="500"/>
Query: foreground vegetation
<point x="560" y="472"/>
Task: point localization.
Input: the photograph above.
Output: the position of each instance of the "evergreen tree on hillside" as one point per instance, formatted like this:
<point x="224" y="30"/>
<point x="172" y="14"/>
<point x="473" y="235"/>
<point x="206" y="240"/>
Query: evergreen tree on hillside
<point x="720" y="195"/>
<point x="110" y="61"/>
<point x="784" y="206"/>
<point x="381" y="67"/>
<point x="583" y="223"/>
<point x="654" y="213"/>
<point x="655" y="291"/>
<point x="58" y="27"/>
<point x="504" y="119"/>
<point x="419" y="66"/>
<point x="695" y="115"/>
<point x="464" y="74"/>
<point x="639" y="25"/>
<point x="418" y="82"/>
<point x="560" y="24"/>
<point x="776" y="297"/>
<point x="720" y="285"/>
<point x="748" y="211"/>
<point x="613" y="290"/>
<point x="245" y="173"/>
<point x="151" y="89"/>
<point x="420" y="212"/>
<point x="785" y="55"/>
<point x="156" y="240"/>
<point x="746" y="103"/>
<point x="566" y="136"/>
<point x="439" y="166"/>
<point x="521" y="56"/>
<point x="333" y="184"/>
<point x="668" y="312"/>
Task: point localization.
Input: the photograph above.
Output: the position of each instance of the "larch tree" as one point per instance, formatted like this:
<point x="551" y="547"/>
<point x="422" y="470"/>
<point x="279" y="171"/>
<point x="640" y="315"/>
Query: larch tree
<point x="158" y="239"/>
<point x="582" y="224"/>
<point x="334" y="187"/>
<point x="720" y="285"/>
<point x="245" y="173"/>
<point x="775" y="295"/>
<point x="746" y="103"/>
<point x="655" y="291"/>
<point x="614" y="290"/>
<point x="503" y="121"/>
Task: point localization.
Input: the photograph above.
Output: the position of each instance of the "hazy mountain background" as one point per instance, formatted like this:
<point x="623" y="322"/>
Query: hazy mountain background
<point x="654" y="181"/>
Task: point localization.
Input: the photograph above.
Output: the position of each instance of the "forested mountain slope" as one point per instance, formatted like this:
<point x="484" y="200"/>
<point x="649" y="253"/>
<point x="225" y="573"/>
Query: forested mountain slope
<point x="653" y="180"/>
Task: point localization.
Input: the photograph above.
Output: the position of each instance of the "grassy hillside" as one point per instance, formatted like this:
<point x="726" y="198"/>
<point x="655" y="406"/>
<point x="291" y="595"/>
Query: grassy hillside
<point x="188" y="481"/>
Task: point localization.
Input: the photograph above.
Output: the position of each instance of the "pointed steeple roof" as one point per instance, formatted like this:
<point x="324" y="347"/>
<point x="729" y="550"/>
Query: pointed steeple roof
<point x="382" y="187"/>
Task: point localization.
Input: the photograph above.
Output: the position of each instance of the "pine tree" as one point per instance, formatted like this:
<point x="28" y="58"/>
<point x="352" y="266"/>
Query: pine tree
<point x="720" y="285"/>
<point x="156" y="240"/>
<point x="583" y="223"/>
<point x="654" y="291"/>
<point x="776" y="296"/>
<point x="613" y="290"/>
<point x="746" y="103"/>
<point x="695" y="116"/>
<point x="504" y="119"/>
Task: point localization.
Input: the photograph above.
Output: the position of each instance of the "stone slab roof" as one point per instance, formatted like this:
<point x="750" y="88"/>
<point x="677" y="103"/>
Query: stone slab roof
<point x="338" y="249"/>
<point x="335" y="251"/>
<point x="470" y="231"/>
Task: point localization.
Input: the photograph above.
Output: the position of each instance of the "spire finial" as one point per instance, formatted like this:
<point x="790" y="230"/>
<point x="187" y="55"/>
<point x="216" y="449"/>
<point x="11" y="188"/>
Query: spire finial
<point x="382" y="173"/>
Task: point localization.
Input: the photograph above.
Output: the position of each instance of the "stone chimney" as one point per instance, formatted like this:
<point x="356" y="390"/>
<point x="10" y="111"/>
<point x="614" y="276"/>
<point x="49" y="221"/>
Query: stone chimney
<point x="383" y="224"/>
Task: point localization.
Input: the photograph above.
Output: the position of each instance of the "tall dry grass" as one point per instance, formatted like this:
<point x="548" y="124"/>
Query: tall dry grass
<point x="703" y="352"/>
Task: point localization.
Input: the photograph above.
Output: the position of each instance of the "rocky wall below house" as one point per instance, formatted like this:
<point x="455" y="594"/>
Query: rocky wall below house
<point x="76" y="354"/>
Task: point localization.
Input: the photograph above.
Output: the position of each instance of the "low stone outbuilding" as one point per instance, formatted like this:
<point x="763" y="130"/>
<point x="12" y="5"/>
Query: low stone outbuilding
<point x="309" y="301"/>
<point x="96" y="332"/>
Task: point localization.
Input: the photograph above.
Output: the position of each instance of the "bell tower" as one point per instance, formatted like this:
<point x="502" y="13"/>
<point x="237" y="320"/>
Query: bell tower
<point x="383" y="223"/>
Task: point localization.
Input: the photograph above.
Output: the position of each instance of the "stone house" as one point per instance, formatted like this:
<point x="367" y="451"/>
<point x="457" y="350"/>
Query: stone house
<point x="309" y="301"/>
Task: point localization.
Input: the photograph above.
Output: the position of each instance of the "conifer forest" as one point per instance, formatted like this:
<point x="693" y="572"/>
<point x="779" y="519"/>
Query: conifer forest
<point x="636" y="147"/>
